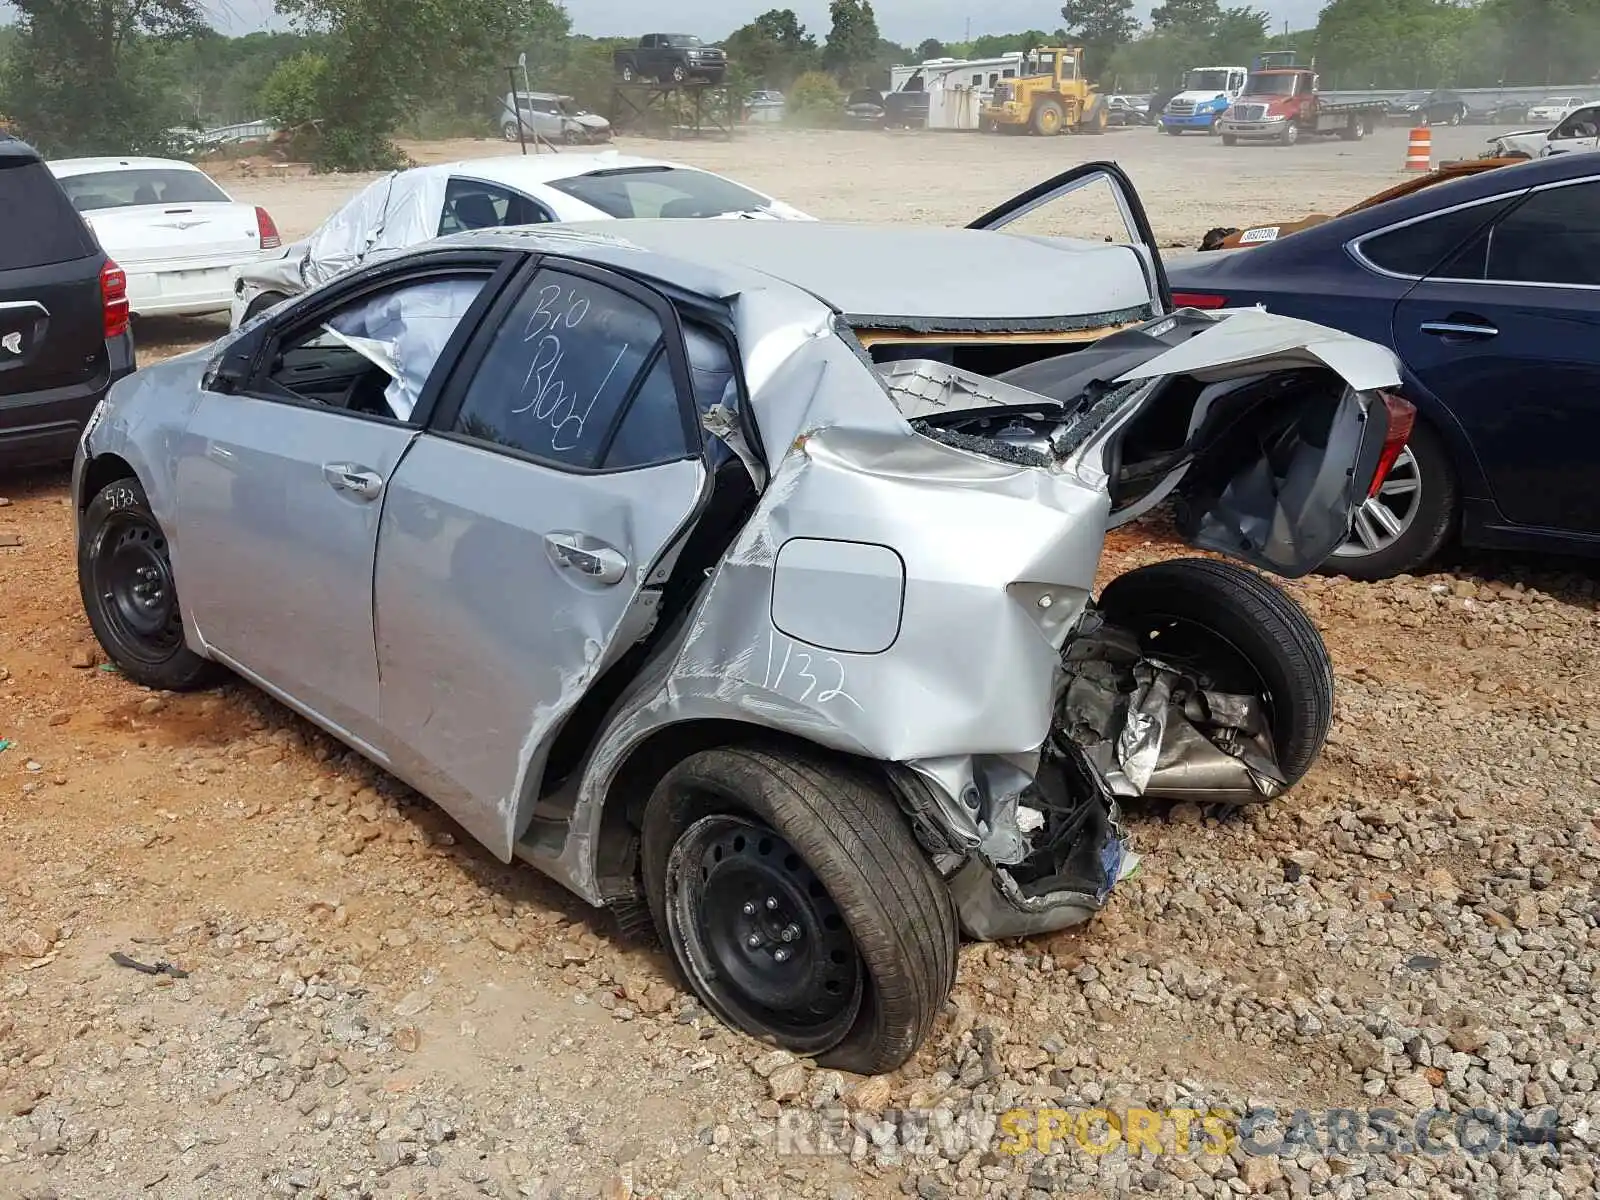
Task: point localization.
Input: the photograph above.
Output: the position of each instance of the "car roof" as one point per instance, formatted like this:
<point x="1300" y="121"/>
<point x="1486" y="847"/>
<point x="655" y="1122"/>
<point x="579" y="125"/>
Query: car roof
<point x="904" y="276"/>
<point x="13" y="147"/>
<point x="66" y="167"/>
<point x="1483" y="185"/>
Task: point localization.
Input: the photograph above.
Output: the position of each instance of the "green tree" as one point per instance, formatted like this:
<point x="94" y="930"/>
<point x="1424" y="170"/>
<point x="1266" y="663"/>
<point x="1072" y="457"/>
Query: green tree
<point x="1540" y="41"/>
<point x="930" y="48"/>
<point x="774" y="49"/>
<point x="852" y="46"/>
<point x="292" y="95"/>
<point x="90" y="76"/>
<point x="1102" y="26"/>
<point x="1392" y="43"/>
<point x="385" y="57"/>
<point x="1186" y="14"/>
<point x="815" y="99"/>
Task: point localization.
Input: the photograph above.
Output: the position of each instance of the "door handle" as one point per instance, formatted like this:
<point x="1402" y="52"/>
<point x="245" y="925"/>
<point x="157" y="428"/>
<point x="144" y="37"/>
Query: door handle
<point x="358" y="481"/>
<point x="595" y="562"/>
<point x="1460" y="329"/>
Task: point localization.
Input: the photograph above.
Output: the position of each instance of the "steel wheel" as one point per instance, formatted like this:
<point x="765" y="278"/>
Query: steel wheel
<point x="133" y="576"/>
<point x="1382" y="520"/>
<point x="762" y="939"/>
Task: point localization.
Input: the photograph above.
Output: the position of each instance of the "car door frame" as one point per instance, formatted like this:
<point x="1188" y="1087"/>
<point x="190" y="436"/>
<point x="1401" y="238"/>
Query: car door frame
<point x="665" y="306"/>
<point x="1132" y="208"/>
<point x="247" y="361"/>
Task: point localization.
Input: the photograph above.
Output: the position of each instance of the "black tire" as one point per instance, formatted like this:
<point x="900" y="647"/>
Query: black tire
<point x="1432" y="525"/>
<point x="1045" y="113"/>
<point x="1290" y="135"/>
<point x="627" y="74"/>
<point x="1174" y="130"/>
<point x="1353" y="132"/>
<point x="854" y="847"/>
<point x="121" y="550"/>
<point x="261" y="303"/>
<point x="1254" y="627"/>
<point x="1229" y="139"/>
<point x="679" y="73"/>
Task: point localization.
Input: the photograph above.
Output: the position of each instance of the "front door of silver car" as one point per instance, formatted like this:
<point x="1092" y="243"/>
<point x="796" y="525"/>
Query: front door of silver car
<point x="280" y="486"/>
<point x="519" y="536"/>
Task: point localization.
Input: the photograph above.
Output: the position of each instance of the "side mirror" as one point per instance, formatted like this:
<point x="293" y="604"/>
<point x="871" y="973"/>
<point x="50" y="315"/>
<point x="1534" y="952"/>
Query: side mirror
<point x="233" y="360"/>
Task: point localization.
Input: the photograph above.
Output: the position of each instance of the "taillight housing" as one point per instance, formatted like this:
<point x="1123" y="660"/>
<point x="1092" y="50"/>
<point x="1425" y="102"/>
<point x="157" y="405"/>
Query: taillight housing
<point x="268" y="230"/>
<point x="114" y="299"/>
<point x="1198" y="300"/>
<point x="1402" y="420"/>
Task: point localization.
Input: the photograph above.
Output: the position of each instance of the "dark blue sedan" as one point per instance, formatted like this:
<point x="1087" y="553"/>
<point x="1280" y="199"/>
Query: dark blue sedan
<point x="1488" y="288"/>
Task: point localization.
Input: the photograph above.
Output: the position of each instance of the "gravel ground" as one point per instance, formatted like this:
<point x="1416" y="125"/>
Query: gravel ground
<point x="375" y="1007"/>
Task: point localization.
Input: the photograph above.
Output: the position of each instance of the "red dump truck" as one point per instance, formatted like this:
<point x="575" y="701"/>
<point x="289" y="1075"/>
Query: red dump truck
<point x="1281" y="104"/>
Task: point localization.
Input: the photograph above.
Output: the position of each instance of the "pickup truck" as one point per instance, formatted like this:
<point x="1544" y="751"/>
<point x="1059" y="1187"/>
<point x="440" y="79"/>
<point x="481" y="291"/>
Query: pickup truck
<point x="671" y="58"/>
<point x="1281" y="104"/>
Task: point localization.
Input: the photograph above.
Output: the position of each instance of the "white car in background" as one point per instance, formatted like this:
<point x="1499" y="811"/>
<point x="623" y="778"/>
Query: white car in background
<point x="179" y="236"/>
<point x="1578" y="131"/>
<point x="1554" y="108"/>
<point x="411" y="206"/>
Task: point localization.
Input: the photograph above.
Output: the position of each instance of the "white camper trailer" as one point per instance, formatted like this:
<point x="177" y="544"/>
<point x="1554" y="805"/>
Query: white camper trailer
<point x="956" y="88"/>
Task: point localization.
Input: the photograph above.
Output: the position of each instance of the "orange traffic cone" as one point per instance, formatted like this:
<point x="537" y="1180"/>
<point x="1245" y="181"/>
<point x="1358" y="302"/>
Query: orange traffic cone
<point x="1419" y="154"/>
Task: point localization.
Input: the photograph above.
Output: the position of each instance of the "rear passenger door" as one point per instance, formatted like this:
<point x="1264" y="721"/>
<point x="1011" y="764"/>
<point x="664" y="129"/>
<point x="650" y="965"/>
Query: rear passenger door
<point x="520" y="531"/>
<point x="1506" y="332"/>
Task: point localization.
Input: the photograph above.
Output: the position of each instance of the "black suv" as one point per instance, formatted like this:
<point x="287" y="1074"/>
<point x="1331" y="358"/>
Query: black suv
<point x="64" y="336"/>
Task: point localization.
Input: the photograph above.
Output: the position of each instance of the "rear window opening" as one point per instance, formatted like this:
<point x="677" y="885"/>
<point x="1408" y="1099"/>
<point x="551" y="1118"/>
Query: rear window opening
<point x="992" y="358"/>
<point x="41" y="228"/>
<point x="136" y="186"/>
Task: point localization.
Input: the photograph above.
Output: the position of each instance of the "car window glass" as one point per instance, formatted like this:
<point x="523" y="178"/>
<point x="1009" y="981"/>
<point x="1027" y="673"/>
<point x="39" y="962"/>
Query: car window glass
<point x="143" y="185"/>
<point x="652" y="429"/>
<point x="1415" y="250"/>
<point x="40" y="226"/>
<point x="560" y="369"/>
<point x="471" y="204"/>
<point x="1551" y="237"/>
<point x="660" y="192"/>
<point x="374" y="354"/>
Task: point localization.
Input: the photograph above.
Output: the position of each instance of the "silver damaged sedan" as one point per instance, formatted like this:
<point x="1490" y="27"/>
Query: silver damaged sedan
<point x="743" y="572"/>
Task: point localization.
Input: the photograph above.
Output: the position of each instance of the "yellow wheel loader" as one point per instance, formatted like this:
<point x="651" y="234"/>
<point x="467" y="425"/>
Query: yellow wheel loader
<point x="1048" y="95"/>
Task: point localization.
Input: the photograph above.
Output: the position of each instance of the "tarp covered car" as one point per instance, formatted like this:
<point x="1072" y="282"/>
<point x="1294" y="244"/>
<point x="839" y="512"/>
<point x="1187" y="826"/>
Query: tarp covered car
<point x="406" y="207"/>
<point x="744" y="572"/>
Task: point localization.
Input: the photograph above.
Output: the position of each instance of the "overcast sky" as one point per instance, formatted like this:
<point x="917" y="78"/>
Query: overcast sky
<point x="899" y="20"/>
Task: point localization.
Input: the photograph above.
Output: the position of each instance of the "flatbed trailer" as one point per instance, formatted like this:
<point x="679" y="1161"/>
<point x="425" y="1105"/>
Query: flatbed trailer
<point x="1282" y="105"/>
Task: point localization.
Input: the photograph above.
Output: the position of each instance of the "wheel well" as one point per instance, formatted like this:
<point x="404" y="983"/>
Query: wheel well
<point x="102" y="470"/>
<point x="617" y="851"/>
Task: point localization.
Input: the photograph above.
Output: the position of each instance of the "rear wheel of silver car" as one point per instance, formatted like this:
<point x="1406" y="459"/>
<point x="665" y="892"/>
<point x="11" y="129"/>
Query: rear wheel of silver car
<point x="798" y="904"/>
<point x="125" y="579"/>
<point x="510" y="132"/>
<point x="1410" y="519"/>
<point x="1235" y="632"/>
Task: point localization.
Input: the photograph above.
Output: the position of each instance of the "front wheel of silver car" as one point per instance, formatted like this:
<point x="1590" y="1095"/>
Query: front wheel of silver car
<point x="126" y="581"/>
<point x="1410" y="519"/>
<point x="798" y="904"/>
